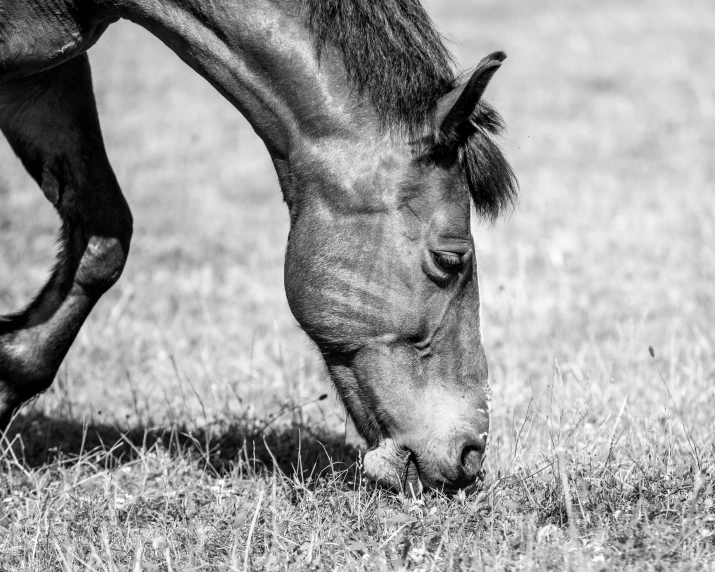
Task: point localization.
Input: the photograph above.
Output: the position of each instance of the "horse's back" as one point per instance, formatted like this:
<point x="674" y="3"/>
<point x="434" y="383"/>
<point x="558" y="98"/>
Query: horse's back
<point x="39" y="34"/>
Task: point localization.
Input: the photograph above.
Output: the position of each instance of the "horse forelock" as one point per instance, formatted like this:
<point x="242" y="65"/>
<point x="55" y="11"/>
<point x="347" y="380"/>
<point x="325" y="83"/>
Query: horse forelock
<point x="488" y="175"/>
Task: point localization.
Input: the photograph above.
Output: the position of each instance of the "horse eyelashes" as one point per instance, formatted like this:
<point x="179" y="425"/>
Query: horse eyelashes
<point x="449" y="261"/>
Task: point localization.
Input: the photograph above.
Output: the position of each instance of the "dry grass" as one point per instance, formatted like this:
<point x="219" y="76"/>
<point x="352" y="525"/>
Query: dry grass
<point x="185" y="430"/>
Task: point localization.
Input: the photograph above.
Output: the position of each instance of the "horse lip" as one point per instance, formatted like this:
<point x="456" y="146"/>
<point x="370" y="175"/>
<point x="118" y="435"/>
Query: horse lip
<point x="394" y="467"/>
<point x="451" y="487"/>
<point x="475" y="486"/>
<point x="470" y="489"/>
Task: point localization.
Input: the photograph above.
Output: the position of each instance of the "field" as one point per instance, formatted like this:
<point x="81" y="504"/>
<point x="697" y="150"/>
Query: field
<point x="188" y="428"/>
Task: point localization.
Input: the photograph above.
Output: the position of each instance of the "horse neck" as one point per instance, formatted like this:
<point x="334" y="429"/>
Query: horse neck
<point x="261" y="57"/>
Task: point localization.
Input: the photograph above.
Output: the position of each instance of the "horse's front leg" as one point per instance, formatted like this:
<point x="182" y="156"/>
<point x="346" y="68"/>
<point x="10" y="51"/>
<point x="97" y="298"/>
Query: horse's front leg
<point x="50" y="120"/>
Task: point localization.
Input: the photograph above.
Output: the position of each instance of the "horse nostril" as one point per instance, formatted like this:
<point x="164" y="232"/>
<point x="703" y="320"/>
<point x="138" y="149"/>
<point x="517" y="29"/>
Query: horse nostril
<point x="471" y="458"/>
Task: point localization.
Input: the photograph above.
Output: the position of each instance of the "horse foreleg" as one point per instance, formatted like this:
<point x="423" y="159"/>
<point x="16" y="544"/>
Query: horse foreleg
<point x="50" y="120"/>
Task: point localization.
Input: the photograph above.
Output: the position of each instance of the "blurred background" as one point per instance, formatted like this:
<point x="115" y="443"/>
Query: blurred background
<point x="611" y="114"/>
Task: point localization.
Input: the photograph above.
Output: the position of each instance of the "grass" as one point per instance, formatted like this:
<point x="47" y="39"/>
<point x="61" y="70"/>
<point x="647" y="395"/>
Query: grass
<point x="186" y="430"/>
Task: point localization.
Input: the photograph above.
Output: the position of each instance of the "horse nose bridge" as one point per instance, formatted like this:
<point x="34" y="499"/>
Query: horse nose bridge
<point x="457" y="355"/>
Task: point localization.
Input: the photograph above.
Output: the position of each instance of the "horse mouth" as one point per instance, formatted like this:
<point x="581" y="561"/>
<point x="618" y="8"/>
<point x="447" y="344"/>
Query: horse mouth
<point x="466" y="487"/>
<point x="401" y="470"/>
<point x="393" y="467"/>
<point x="410" y="480"/>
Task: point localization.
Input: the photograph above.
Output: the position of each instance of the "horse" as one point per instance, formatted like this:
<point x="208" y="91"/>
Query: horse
<point x="380" y="149"/>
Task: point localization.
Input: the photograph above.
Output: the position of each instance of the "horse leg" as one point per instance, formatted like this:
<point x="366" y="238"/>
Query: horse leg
<point x="50" y="120"/>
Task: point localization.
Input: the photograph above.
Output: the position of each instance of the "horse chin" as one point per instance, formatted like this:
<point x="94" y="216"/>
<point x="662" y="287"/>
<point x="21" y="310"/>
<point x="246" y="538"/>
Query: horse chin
<point x="392" y="467"/>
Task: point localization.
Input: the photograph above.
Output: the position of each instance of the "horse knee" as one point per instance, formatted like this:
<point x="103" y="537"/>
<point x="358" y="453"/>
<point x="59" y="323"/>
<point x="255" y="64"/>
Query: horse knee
<point x="102" y="263"/>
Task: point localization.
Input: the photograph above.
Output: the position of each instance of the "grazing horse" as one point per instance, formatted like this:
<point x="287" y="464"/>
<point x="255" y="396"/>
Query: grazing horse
<point x="379" y="150"/>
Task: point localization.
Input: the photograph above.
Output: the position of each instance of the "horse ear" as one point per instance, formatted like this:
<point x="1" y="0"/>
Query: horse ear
<point x="456" y="110"/>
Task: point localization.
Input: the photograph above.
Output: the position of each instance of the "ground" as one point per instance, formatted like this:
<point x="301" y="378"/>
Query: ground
<point x="188" y="429"/>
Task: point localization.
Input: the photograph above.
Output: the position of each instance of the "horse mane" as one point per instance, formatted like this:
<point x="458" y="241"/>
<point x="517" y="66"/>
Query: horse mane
<point x="394" y="56"/>
<point x="391" y="52"/>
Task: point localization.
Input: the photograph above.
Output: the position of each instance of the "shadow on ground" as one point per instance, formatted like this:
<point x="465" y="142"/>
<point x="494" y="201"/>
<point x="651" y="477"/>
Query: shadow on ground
<point x="39" y="440"/>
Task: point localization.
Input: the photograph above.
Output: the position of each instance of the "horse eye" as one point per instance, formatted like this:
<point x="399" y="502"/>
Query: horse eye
<point x="449" y="261"/>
